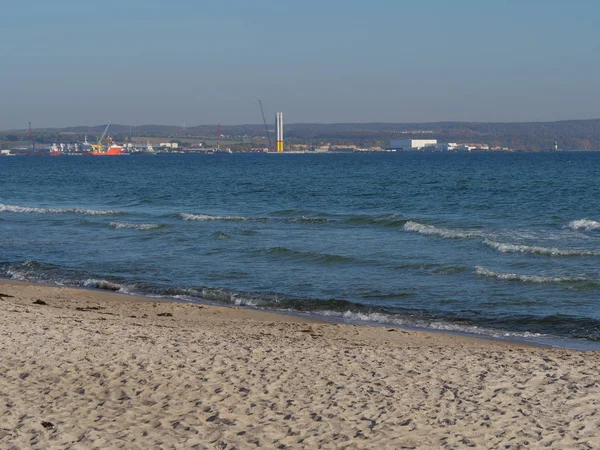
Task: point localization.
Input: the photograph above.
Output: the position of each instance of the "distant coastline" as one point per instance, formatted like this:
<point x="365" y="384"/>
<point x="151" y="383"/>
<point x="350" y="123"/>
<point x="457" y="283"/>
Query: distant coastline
<point x="573" y="135"/>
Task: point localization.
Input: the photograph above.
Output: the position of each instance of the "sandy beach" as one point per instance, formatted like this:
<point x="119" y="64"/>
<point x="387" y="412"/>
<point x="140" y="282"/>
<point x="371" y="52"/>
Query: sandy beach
<point x="93" y="369"/>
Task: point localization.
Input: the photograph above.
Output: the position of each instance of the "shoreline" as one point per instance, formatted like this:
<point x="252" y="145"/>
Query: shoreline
<point x="318" y="316"/>
<point x="256" y="313"/>
<point x="87" y="368"/>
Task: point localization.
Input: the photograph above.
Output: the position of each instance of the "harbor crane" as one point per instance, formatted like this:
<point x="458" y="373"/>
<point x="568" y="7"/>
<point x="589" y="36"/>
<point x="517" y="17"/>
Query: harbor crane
<point x="266" y="127"/>
<point x="98" y="146"/>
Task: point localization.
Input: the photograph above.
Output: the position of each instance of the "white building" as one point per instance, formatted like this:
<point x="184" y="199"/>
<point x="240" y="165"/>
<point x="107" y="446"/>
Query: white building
<point x="442" y="147"/>
<point x="412" y="144"/>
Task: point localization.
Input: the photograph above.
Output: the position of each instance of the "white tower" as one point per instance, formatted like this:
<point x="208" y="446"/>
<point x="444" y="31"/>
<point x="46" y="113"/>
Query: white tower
<point x="279" y="127"/>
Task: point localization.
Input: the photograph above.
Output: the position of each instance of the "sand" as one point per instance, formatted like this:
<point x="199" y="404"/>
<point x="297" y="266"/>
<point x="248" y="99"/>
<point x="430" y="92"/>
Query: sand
<point x="90" y="369"/>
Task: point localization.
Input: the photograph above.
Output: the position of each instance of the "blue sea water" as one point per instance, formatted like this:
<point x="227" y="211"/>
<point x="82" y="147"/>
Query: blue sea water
<point x="504" y="245"/>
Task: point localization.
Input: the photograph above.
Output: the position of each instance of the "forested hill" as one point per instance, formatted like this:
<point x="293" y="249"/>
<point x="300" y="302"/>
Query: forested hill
<point x="569" y="134"/>
<point x="572" y="134"/>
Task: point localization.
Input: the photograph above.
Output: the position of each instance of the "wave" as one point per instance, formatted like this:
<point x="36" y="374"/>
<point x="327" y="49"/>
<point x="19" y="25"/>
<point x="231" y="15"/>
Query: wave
<point x="220" y="235"/>
<point x="101" y="284"/>
<point x="382" y="220"/>
<point x="541" y="329"/>
<point x="31" y="270"/>
<point x="305" y="219"/>
<point x="136" y="226"/>
<point x="430" y="230"/>
<point x="206" y="217"/>
<point x="481" y="271"/>
<point x="316" y="257"/>
<point x="34" y="271"/>
<point x="584" y="224"/>
<point x="32" y="210"/>
<point x="536" y="250"/>
<point x="430" y="324"/>
<point x="234" y="298"/>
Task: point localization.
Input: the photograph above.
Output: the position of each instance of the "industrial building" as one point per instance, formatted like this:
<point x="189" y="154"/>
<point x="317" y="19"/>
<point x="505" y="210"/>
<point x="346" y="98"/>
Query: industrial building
<point x="412" y="144"/>
<point x="431" y="145"/>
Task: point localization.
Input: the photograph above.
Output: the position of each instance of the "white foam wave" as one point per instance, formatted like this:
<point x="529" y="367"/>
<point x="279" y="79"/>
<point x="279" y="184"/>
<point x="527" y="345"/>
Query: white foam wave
<point x="33" y="210"/>
<point x="584" y="224"/>
<point x="481" y="271"/>
<point x="431" y="230"/>
<point x="135" y="226"/>
<point x="95" y="212"/>
<point x="390" y="319"/>
<point x="15" y="275"/>
<point x="206" y="217"/>
<point x="550" y="251"/>
<point x="221" y="296"/>
<point x="102" y="284"/>
<point x="239" y="300"/>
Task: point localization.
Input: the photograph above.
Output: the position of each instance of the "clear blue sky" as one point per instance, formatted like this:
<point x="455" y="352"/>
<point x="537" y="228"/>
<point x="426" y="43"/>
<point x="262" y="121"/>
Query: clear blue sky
<point x="75" y="62"/>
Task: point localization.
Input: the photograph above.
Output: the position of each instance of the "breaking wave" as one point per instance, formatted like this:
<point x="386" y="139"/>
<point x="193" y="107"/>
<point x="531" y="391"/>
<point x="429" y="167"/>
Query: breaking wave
<point x="528" y="327"/>
<point x="33" y="210"/>
<point x="136" y="226"/>
<point x="442" y="325"/>
<point x="234" y="298"/>
<point x="481" y="271"/>
<point x="206" y="217"/>
<point x="536" y="250"/>
<point x="584" y="224"/>
<point x="101" y="284"/>
<point x="31" y="270"/>
<point x="34" y="271"/>
<point x="430" y="230"/>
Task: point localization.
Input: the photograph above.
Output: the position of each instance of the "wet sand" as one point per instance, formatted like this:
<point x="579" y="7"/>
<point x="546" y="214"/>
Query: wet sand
<point x="92" y="369"/>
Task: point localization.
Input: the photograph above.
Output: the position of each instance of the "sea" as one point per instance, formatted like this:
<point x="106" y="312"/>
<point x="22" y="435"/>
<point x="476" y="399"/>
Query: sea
<point x="502" y="245"/>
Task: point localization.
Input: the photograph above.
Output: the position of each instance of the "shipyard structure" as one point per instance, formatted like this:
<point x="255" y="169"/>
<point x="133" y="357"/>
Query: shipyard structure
<point x="279" y="128"/>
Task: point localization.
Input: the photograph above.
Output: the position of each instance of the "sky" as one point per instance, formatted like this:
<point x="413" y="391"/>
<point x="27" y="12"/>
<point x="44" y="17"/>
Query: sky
<point x="193" y="62"/>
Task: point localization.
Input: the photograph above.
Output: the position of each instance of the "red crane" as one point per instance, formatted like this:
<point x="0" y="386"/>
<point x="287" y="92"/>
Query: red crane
<point x="31" y="137"/>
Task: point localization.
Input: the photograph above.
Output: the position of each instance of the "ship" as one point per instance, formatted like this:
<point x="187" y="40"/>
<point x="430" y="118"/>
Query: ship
<point x="112" y="150"/>
<point x="55" y="150"/>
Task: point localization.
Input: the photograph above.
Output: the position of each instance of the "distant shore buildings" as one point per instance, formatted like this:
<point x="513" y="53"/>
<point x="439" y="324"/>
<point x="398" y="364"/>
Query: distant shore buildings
<point x="431" y="145"/>
<point x="411" y="144"/>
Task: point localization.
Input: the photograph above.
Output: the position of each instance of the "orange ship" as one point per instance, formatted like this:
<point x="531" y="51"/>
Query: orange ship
<point x="113" y="150"/>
